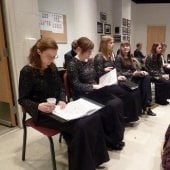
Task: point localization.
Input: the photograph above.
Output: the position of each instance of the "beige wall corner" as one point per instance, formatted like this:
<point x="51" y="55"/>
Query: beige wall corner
<point x="22" y="28"/>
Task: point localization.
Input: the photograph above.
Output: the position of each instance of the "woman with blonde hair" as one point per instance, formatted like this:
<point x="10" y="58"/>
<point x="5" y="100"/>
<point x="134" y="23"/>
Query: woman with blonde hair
<point x="104" y="62"/>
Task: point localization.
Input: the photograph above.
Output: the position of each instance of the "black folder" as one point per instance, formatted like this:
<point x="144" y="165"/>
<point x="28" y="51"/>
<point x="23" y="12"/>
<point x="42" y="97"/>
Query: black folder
<point x="129" y="85"/>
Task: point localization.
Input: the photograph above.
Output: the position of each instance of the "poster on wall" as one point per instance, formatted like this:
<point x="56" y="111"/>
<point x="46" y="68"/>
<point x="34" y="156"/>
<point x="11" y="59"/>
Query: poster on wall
<point x="117" y="38"/>
<point x="53" y="22"/>
<point x="124" y="22"/>
<point x="107" y="28"/>
<point x="103" y="17"/>
<point x="100" y="27"/>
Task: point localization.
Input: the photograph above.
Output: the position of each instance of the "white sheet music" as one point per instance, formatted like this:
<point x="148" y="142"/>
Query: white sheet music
<point x="108" y="79"/>
<point x="76" y="109"/>
<point x="168" y="66"/>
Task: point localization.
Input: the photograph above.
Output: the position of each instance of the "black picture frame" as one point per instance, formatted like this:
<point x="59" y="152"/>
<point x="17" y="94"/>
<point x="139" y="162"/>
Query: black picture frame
<point x="117" y="38"/>
<point x="124" y="38"/>
<point x="117" y="30"/>
<point x="100" y="27"/>
<point x="103" y="17"/>
<point x="124" y="31"/>
<point x="124" y="22"/>
<point x="128" y="38"/>
<point x="128" y="23"/>
<point x="107" y="29"/>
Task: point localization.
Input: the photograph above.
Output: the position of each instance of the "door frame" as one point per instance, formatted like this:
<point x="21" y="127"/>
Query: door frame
<point x="11" y="70"/>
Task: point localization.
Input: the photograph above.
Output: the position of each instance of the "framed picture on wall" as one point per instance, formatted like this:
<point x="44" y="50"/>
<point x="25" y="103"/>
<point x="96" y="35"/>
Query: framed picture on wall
<point x="124" y="38"/>
<point x="117" y="38"/>
<point x="128" y="31"/>
<point x="124" y="22"/>
<point x="103" y="17"/>
<point x="128" y="38"/>
<point x="124" y="30"/>
<point x="107" y="28"/>
<point x="100" y="27"/>
<point x="128" y="23"/>
<point x="117" y="30"/>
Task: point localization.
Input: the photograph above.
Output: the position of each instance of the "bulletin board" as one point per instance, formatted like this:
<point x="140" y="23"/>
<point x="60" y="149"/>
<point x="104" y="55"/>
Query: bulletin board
<point x="53" y="25"/>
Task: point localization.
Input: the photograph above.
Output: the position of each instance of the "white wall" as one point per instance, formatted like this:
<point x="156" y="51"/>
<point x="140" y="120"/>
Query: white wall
<point x="148" y="15"/>
<point x="82" y="17"/>
<point x="62" y="7"/>
<point x="81" y="20"/>
<point x="126" y="9"/>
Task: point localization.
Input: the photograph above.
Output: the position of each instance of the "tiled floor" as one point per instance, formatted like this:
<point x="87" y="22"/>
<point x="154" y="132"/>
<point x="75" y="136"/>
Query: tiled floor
<point x="142" y="150"/>
<point x="5" y="129"/>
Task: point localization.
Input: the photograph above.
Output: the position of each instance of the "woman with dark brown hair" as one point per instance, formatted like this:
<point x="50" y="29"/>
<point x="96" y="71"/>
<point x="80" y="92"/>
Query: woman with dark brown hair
<point x="104" y="62"/>
<point x="40" y="80"/>
<point x="125" y="65"/>
<point x="154" y="66"/>
<point x="82" y="76"/>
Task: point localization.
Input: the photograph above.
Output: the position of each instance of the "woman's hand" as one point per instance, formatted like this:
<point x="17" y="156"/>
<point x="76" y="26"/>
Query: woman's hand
<point x="46" y="107"/>
<point x="62" y="104"/>
<point x="165" y="76"/>
<point x="137" y="73"/>
<point x="144" y="73"/>
<point x="122" y="78"/>
<point x="107" y="69"/>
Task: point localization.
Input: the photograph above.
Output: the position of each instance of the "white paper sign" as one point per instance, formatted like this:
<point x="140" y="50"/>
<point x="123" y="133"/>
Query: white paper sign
<point x="51" y="22"/>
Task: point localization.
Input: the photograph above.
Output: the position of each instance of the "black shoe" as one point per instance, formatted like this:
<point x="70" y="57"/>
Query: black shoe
<point x="150" y="113"/>
<point x="116" y="147"/>
<point x="122" y="143"/>
<point x="129" y="124"/>
<point x="100" y="167"/>
<point x="162" y="102"/>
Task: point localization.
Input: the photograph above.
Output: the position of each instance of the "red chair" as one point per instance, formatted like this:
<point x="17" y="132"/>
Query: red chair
<point x="45" y="131"/>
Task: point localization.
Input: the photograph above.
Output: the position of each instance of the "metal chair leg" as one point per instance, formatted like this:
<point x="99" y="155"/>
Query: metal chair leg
<point x="52" y="153"/>
<point x="24" y="142"/>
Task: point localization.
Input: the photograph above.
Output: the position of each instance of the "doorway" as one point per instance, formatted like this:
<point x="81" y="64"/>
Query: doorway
<point x="155" y="34"/>
<point x="7" y="109"/>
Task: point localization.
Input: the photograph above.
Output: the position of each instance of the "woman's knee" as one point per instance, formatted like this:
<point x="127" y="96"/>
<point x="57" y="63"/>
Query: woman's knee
<point x="117" y="102"/>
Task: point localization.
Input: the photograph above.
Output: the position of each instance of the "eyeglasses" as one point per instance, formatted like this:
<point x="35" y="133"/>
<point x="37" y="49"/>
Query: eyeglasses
<point x="52" y="57"/>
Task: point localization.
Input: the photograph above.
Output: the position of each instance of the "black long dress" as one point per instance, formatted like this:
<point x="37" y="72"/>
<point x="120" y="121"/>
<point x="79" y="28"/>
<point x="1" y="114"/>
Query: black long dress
<point x="154" y="66"/>
<point x="84" y="137"/>
<point x="129" y="98"/>
<point x="82" y="76"/>
<point x="143" y="82"/>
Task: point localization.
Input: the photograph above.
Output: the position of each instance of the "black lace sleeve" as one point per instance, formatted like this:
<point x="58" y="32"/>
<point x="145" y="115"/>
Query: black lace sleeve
<point x="62" y="96"/>
<point x="99" y="65"/>
<point x="121" y="70"/>
<point x="25" y="86"/>
<point x="74" y="78"/>
<point x="154" y="67"/>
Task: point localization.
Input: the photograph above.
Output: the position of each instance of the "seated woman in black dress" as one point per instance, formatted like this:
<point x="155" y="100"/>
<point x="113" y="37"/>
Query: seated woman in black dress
<point x="40" y="80"/>
<point x="104" y="62"/>
<point x="154" y="66"/>
<point x="126" y="66"/>
<point x="82" y="76"/>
